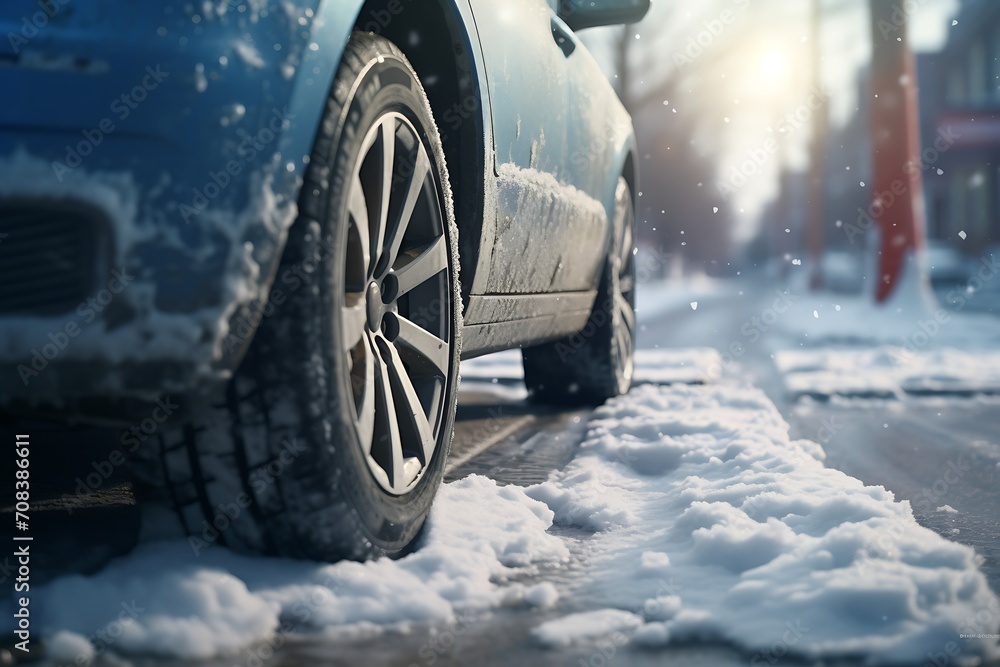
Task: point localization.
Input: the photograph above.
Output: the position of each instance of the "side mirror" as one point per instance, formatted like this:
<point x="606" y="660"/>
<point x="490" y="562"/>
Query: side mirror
<point x="580" y="14"/>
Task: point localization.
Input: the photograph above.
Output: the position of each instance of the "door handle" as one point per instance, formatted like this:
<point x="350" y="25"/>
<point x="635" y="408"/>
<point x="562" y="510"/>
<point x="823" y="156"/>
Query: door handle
<point x="563" y="36"/>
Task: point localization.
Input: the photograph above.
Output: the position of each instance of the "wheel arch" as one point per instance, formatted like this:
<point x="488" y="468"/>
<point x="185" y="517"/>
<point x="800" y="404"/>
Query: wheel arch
<point x="453" y="75"/>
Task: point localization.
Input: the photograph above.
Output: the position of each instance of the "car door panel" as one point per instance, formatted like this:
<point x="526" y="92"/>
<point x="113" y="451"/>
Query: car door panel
<point x="549" y="234"/>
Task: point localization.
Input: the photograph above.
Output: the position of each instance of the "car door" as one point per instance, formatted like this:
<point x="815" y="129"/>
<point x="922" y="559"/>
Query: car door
<point x="548" y="233"/>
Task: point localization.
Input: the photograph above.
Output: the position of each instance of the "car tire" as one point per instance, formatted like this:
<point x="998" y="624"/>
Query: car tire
<point x="596" y="364"/>
<point x="330" y="440"/>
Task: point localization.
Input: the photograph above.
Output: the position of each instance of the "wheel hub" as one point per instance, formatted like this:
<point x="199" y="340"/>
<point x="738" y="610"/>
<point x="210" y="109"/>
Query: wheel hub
<point x="376" y="309"/>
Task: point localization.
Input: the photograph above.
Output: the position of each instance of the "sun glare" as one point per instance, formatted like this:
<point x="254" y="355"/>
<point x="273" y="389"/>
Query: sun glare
<point x="774" y="67"/>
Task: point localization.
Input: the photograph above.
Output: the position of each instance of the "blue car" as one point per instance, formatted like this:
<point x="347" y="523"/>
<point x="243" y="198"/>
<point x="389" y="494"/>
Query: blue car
<point x="261" y="235"/>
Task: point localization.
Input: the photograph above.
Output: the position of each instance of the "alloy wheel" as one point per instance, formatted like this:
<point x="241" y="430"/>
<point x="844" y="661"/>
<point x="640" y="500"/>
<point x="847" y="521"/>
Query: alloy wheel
<point x="396" y="311"/>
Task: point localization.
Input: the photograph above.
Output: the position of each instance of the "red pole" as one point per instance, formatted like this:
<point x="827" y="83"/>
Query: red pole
<point x="898" y="205"/>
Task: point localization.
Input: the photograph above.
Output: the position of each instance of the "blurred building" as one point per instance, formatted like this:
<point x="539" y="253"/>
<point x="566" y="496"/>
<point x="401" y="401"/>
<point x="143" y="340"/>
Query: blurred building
<point x="960" y="130"/>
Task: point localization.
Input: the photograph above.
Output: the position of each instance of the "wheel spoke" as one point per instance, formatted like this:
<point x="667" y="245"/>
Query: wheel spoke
<point x="387" y="445"/>
<point x="622" y="337"/>
<point x="358" y="210"/>
<point x="422" y="266"/>
<point x="625" y="308"/>
<point x="429" y="347"/>
<point x="353" y="320"/>
<point x="366" y="409"/>
<point x="627" y="244"/>
<point x="387" y="134"/>
<point x="421" y="167"/>
<point x="409" y="406"/>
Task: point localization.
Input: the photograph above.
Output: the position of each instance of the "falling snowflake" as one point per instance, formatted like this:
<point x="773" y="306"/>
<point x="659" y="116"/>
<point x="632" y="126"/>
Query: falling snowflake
<point x="962" y="234"/>
<point x="694" y="305"/>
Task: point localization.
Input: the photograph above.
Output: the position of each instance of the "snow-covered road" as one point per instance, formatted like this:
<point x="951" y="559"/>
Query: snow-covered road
<point x="682" y="522"/>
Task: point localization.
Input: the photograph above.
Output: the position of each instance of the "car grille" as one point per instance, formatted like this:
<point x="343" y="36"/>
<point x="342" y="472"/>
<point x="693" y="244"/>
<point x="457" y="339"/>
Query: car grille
<point x="49" y="257"/>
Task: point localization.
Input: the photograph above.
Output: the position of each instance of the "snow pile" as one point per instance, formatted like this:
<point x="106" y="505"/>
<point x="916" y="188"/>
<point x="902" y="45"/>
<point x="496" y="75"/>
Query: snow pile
<point x="888" y="371"/>
<point x="712" y="525"/>
<point x="163" y="600"/>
